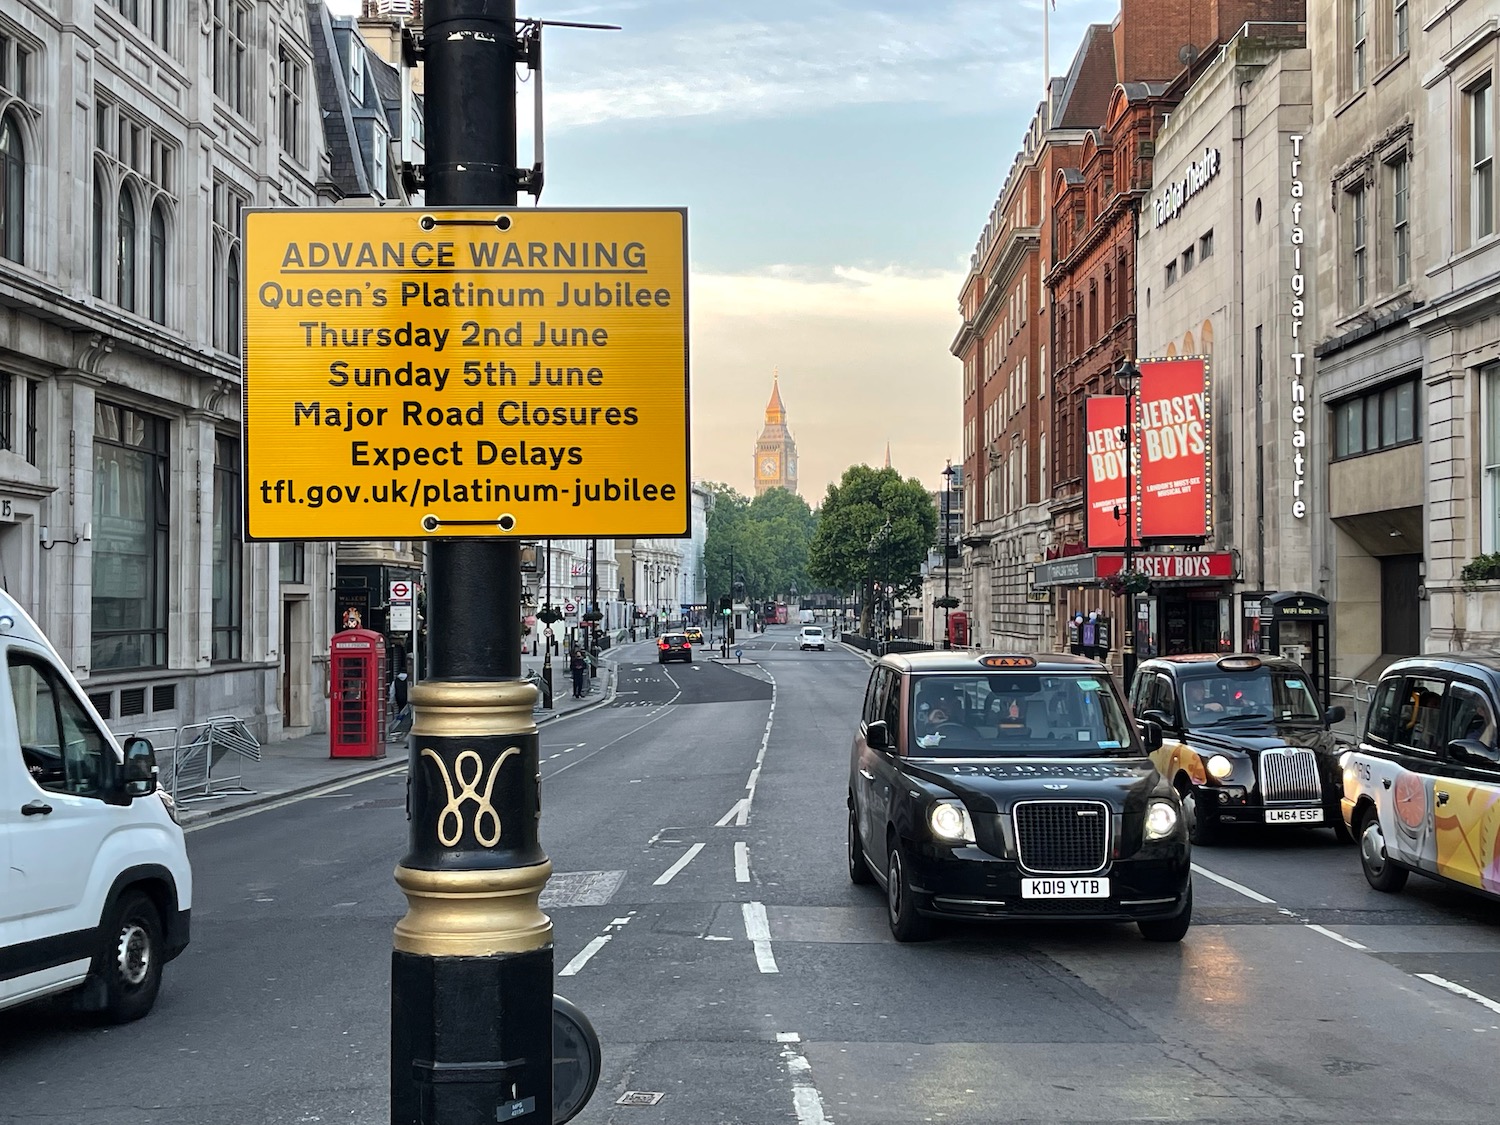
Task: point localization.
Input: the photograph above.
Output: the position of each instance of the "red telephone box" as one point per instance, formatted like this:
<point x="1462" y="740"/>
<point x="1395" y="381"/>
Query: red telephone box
<point x="356" y="725"/>
<point x="958" y="629"/>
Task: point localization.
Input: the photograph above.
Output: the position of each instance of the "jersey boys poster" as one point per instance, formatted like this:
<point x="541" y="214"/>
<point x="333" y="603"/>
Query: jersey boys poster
<point x="1104" y="471"/>
<point x="1172" y="450"/>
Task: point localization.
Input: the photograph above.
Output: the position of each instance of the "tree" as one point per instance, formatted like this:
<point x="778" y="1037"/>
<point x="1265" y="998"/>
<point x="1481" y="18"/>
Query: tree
<point x="852" y="551"/>
<point x="768" y="537"/>
<point x="786" y="524"/>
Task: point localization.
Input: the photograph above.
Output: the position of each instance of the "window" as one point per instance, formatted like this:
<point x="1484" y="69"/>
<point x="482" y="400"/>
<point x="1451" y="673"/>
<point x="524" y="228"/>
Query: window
<point x="15" y="65"/>
<point x="101" y="232"/>
<point x="1418" y="707"/>
<point x="153" y="17"/>
<point x="293" y="563"/>
<point x="1171" y="273"/>
<point x="1206" y="247"/>
<point x="1187" y="261"/>
<point x="125" y="237"/>
<point x="1400" y="173"/>
<point x="31" y="408"/>
<point x="356" y="71"/>
<point x="132" y="471"/>
<point x="63" y="750"/>
<point x="228" y="217"/>
<point x="12" y="188"/>
<point x="1469" y="716"/>
<point x="1377" y="419"/>
<point x="1490" y="482"/>
<point x="158" y="265"/>
<point x="1360" y="43"/>
<point x="1481" y="160"/>
<point x="1400" y="28"/>
<point x="293" y="108"/>
<point x="228" y="565"/>
<point x="231" y="62"/>
<point x="1359" y="251"/>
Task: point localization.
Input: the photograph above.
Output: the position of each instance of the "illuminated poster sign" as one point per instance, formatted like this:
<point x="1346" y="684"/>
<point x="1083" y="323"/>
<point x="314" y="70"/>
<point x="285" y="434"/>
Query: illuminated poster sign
<point x="1172" y="414"/>
<point x="1104" y="475"/>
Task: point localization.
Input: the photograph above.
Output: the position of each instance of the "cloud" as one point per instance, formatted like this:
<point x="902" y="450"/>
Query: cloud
<point x="863" y="358"/>
<point x="795" y="59"/>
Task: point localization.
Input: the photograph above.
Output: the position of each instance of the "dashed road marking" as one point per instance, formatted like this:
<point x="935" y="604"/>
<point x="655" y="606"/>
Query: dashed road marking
<point x="758" y="930"/>
<point x="741" y="862"/>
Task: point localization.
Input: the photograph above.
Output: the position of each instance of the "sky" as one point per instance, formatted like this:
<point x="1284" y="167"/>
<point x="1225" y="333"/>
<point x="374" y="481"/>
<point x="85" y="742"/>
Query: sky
<point x="838" y="159"/>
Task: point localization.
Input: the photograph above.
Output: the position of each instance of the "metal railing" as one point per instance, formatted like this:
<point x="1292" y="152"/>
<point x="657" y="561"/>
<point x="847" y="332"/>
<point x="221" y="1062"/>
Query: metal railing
<point x="1354" y="695"/>
<point x="187" y="757"/>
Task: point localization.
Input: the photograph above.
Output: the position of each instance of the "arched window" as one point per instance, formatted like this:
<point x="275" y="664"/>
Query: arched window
<point x="232" y="302"/>
<point x="125" y="238"/>
<point x="1171" y="350"/>
<point x="100" y="215"/>
<point x="12" y="189"/>
<point x="158" y="265"/>
<point x="1187" y="344"/>
<point x="1206" y="338"/>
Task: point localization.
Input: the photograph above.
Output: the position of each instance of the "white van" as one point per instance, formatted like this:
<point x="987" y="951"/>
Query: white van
<point x="804" y="617"/>
<point x="95" y="887"/>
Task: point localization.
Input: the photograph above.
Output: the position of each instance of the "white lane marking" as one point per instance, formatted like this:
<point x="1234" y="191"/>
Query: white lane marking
<point x="293" y="798"/>
<point x="673" y="682"/>
<point x="1340" y="938"/>
<point x="1460" y="990"/>
<point x="655" y="716"/>
<point x="806" y="1100"/>
<point x="593" y="947"/>
<point x="734" y="810"/>
<point x="1254" y="896"/>
<point x="758" y="930"/>
<point x="741" y="862"/>
<point x="743" y="817"/>
<point x="670" y="873"/>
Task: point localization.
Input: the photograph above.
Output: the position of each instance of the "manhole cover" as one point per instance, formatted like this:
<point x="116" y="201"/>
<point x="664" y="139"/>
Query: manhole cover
<point x="639" y="1097"/>
<point x="581" y="888"/>
<point x="382" y="803"/>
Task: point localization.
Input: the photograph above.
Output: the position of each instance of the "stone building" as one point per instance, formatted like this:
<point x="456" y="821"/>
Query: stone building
<point x="1372" y="265"/>
<point x="1223" y="257"/>
<point x="775" y="449"/>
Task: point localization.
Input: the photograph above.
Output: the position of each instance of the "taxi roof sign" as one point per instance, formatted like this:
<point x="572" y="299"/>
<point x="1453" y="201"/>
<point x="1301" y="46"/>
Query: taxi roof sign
<point x="1008" y="661"/>
<point x="1238" y="663"/>
<point x="412" y="373"/>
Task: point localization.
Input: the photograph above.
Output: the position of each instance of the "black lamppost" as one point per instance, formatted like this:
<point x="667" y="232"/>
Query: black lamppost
<point x="1129" y="376"/>
<point x="878" y="559"/>
<point x="947" y="605"/>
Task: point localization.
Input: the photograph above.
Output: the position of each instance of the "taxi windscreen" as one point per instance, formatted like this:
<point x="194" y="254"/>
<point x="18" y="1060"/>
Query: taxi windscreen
<point x="1252" y="695"/>
<point x="1010" y="714"/>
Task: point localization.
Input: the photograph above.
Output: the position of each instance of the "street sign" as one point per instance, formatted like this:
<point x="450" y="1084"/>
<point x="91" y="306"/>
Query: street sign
<point x="400" y="591"/>
<point x="413" y="373"/>
<point x="399" y="617"/>
<point x="569" y="607"/>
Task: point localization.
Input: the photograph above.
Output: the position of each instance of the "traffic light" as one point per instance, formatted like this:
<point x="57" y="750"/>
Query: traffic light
<point x="724" y="605"/>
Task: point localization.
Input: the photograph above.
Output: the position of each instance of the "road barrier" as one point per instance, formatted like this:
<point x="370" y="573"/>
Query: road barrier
<point x="187" y="756"/>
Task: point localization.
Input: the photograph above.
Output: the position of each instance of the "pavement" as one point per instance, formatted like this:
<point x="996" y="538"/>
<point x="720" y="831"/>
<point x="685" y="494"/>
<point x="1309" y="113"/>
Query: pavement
<point x="296" y="767"/>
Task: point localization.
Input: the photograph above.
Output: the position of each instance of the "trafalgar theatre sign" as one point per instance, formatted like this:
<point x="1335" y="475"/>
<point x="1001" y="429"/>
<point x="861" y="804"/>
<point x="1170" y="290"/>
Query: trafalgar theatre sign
<point x="1174" y="196"/>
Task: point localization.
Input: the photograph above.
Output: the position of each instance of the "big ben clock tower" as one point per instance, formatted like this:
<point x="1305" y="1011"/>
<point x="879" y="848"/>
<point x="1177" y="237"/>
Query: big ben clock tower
<point x="775" y="451"/>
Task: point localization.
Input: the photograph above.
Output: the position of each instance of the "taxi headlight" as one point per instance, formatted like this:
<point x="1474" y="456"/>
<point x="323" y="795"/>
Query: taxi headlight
<point x="949" y="820"/>
<point x="1219" y="767"/>
<point x="1161" y="820"/>
<point x="1344" y="759"/>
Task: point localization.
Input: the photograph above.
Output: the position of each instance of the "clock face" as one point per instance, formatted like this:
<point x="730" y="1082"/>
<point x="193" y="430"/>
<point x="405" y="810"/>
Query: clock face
<point x="768" y="466"/>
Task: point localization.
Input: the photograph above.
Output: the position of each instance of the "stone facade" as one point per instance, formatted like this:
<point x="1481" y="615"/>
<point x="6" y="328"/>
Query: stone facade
<point x="775" y="449"/>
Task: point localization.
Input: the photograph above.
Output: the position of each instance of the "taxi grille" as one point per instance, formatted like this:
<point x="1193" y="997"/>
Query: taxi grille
<point x="1289" y="774"/>
<point x="1062" y="837"/>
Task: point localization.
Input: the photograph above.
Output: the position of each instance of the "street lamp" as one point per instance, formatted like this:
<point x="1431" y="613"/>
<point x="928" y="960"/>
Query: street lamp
<point x="877" y="553"/>
<point x="947" y="494"/>
<point x="1128" y="375"/>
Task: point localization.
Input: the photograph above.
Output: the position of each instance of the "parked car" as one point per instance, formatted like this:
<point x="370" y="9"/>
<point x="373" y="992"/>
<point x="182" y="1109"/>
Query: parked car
<point x="674" y="646"/>
<point x="1422" y="790"/>
<point x="1004" y="786"/>
<point x="1245" y="741"/>
<point x="810" y="636"/>
<point x="96" y="892"/>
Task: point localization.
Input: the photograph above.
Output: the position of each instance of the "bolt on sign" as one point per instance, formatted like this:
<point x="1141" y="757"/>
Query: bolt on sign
<point x="448" y="373"/>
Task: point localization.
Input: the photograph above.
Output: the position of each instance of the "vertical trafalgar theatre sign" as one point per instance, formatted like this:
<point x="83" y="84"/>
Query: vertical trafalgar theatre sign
<point x="460" y="373"/>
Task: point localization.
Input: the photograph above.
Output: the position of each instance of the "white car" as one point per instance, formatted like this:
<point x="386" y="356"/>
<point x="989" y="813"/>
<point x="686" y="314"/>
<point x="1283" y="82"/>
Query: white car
<point x="811" y="636"/>
<point x="95" y="887"/>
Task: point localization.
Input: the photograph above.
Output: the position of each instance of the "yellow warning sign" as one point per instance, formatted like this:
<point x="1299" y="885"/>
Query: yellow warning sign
<point x="416" y="373"/>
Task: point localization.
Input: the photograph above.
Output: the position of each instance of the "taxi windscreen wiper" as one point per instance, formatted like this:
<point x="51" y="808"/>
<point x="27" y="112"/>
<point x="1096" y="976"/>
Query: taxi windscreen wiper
<point x="1253" y="717"/>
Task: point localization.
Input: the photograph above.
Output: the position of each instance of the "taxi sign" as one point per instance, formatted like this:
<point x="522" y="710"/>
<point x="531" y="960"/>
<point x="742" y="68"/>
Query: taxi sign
<point x="1008" y="661"/>
<point x="1238" y="663"/>
<point x="412" y="373"/>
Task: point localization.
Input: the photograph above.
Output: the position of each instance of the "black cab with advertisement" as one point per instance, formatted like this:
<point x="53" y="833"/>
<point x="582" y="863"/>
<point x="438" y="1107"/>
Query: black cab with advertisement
<point x="1004" y="787"/>
<point x="1245" y="740"/>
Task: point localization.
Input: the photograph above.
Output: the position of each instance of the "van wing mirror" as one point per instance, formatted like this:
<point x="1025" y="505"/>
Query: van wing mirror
<point x="1472" y="750"/>
<point x="139" y="776"/>
<point x="878" y="735"/>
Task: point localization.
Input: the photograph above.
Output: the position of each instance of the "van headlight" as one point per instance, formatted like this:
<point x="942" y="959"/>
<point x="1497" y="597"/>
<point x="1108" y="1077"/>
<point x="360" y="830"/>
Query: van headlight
<point x="949" y="821"/>
<point x="170" y="805"/>
<point x="1161" y="820"/>
<point x="1219" y="767"/>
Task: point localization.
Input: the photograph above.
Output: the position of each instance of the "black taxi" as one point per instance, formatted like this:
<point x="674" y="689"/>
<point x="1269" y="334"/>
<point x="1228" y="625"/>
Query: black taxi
<point x="995" y="786"/>
<point x="1244" y="741"/>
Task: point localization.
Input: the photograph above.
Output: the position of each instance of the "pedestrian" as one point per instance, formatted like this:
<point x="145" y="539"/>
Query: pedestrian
<point x="400" y="699"/>
<point x="578" y="666"/>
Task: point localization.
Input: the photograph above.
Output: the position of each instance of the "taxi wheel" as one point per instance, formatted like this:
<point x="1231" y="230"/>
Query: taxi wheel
<point x="859" y="869"/>
<point x="1203" y="831"/>
<point x="901" y="912"/>
<point x="1170" y="929"/>
<point x="1380" y="872"/>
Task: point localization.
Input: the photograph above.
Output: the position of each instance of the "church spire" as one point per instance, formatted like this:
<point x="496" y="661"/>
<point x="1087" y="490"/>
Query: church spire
<point x="775" y="411"/>
<point x="888" y="454"/>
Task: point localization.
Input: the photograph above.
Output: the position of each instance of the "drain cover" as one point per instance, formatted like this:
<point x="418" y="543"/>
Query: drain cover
<point x="581" y="888"/>
<point x="639" y="1097"/>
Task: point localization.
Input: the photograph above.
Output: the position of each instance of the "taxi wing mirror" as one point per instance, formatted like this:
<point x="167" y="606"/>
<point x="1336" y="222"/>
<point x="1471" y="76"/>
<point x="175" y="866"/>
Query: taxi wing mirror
<point x="878" y="735"/>
<point x="1151" y="733"/>
<point x="1160" y="719"/>
<point x="1472" y="750"/>
<point x="1334" y="715"/>
<point x="139" y="774"/>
